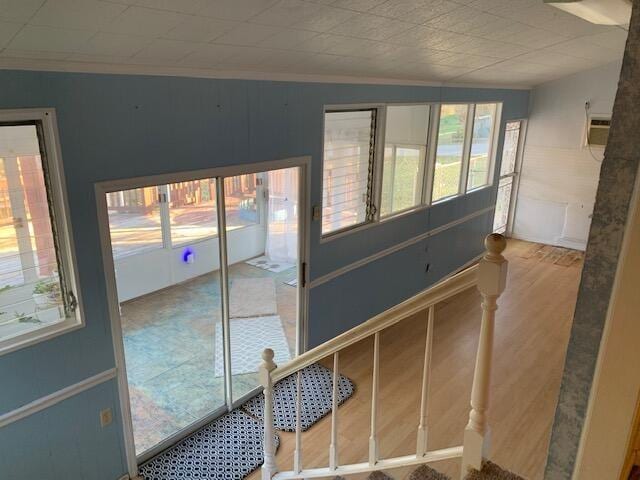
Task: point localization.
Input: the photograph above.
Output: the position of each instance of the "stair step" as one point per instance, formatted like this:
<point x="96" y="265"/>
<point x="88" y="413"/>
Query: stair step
<point x="491" y="471"/>
<point x="425" y="472"/>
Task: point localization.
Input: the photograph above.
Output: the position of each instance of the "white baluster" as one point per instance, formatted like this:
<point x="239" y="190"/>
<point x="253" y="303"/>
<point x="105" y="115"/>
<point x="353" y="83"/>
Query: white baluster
<point x="297" y="454"/>
<point x="373" y="439"/>
<point x="421" y="447"/>
<point x="269" y="467"/>
<point x="492" y="278"/>
<point x="333" y="448"/>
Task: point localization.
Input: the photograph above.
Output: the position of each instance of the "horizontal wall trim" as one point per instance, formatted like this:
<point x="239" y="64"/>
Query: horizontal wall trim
<point x="396" y="248"/>
<point x="48" y="65"/>
<point x="56" y="397"/>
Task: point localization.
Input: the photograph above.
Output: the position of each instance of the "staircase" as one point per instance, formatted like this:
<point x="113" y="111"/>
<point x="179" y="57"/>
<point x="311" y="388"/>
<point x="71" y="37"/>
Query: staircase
<point x="489" y="276"/>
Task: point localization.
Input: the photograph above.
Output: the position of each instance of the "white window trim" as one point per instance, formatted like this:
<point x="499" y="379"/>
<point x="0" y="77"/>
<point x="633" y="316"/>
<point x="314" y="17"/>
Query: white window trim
<point x="47" y="118"/>
<point x="429" y="163"/>
<point x="380" y="113"/>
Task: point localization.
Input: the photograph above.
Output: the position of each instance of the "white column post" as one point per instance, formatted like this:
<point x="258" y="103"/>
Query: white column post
<point x="492" y="277"/>
<point x="269" y="467"/>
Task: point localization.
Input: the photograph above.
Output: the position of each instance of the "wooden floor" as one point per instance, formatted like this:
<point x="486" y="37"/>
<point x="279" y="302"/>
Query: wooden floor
<point x="532" y="330"/>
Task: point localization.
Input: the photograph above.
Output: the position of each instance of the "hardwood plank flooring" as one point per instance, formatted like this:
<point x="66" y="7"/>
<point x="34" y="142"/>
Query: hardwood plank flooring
<point x="531" y="335"/>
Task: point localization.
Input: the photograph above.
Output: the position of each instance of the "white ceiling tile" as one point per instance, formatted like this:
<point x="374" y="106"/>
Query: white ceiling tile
<point x="164" y="51"/>
<point x="348" y="46"/>
<point x="144" y="21"/>
<point x="287" y="13"/>
<point x="247" y="34"/>
<point x="95" y="58"/>
<point x="49" y="39"/>
<point x="615" y="39"/>
<point x="19" y="10"/>
<point x="33" y="54"/>
<point x="357" y="5"/>
<point x="200" y="29"/>
<point x="318" y="44"/>
<point x="114" y="44"/>
<point x="325" y="18"/>
<point x="180" y="6"/>
<point x="582" y="48"/>
<point x="288" y="39"/>
<point x="239" y="10"/>
<point x="207" y="55"/>
<point x="80" y="14"/>
<point x="371" y="27"/>
<point x="7" y="32"/>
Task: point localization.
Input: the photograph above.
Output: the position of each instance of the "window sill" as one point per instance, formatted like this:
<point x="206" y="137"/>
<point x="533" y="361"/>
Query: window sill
<point x="347" y="231"/>
<point x="32" y="337"/>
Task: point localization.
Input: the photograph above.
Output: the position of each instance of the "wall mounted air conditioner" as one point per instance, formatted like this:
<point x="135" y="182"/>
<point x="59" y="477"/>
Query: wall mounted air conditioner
<point x="597" y="131"/>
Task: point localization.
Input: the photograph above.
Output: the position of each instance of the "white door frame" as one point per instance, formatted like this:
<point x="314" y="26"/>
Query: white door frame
<point x="102" y="188"/>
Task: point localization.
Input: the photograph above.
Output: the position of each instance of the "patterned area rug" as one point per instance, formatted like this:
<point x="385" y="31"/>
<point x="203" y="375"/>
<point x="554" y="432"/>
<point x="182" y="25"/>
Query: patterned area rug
<point x="228" y="448"/>
<point x="249" y="337"/>
<point x="266" y="263"/>
<point x="317" y="384"/>
<point x="252" y="297"/>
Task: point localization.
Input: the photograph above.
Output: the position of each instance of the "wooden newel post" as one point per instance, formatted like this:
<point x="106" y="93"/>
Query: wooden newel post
<point x="267" y="366"/>
<point x="492" y="278"/>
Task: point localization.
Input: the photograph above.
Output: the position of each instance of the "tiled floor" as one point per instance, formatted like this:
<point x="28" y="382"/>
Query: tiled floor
<point x="169" y="351"/>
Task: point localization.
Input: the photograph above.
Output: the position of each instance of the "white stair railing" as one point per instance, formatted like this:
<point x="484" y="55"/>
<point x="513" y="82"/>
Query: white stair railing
<point x="489" y="275"/>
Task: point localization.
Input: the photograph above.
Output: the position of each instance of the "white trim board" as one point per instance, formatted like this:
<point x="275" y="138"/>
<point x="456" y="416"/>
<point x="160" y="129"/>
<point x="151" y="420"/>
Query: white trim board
<point x="395" y="248"/>
<point x="56" y="397"/>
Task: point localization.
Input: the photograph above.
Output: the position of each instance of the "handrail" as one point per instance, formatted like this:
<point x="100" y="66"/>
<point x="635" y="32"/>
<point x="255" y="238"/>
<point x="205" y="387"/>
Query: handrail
<point x="440" y="291"/>
<point x="490" y="276"/>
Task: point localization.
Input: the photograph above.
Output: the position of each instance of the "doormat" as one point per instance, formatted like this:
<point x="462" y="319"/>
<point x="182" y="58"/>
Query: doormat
<point x="266" y="263"/>
<point x="229" y="448"/>
<point x="252" y="297"/>
<point x="317" y="385"/>
<point x="249" y="337"/>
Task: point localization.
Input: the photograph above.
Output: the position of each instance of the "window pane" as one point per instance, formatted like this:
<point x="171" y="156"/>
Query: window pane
<point x="192" y="210"/>
<point x="134" y="221"/>
<point x="481" y="144"/>
<point x="241" y="201"/>
<point x="30" y="286"/>
<point x="451" y="132"/>
<point x="510" y="149"/>
<point x="348" y="142"/>
<point x="405" y="147"/>
<point x="502" y="205"/>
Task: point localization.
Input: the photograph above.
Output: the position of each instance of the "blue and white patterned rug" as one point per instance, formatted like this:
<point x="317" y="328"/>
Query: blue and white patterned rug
<point x="228" y="448"/>
<point x="317" y="385"/>
<point x="249" y="337"/>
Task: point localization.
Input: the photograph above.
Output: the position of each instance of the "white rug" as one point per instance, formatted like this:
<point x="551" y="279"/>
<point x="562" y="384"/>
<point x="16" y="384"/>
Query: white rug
<point x="252" y="297"/>
<point x="266" y="263"/>
<point x="249" y="337"/>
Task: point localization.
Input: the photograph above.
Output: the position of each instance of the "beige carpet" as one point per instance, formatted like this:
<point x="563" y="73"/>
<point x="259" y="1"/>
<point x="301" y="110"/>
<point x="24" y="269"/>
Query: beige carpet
<point x="252" y="297"/>
<point x="490" y="471"/>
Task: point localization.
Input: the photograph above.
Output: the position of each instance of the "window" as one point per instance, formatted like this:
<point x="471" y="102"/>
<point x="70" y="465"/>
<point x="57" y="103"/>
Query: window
<point x="192" y="210"/>
<point x="404" y="157"/>
<point x="450" y="151"/>
<point x="349" y="146"/>
<point x="424" y="154"/>
<point x="36" y="277"/>
<point x="481" y="145"/>
<point x="134" y="220"/>
<point x="241" y="201"/>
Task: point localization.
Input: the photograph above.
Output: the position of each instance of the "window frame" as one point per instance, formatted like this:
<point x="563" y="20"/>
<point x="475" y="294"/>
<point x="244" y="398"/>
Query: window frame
<point x="495" y="137"/>
<point x="428" y="173"/>
<point x="376" y="175"/>
<point x="46" y="124"/>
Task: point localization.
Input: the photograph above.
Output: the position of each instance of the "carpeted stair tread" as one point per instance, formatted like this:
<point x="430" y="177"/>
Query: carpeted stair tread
<point x="425" y="472"/>
<point x="491" y="471"/>
<point x="379" y="475"/>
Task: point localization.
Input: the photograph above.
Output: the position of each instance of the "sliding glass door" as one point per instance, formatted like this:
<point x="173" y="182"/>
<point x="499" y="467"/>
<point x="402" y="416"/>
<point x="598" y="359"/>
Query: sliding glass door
<point x="206" y="272"/>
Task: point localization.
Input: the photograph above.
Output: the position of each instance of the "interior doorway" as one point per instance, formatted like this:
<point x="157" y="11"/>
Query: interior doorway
<point x="207" y="273"/>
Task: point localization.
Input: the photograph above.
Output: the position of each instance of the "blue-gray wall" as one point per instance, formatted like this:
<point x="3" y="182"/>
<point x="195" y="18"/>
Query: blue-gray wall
<point x="113" y="127"/>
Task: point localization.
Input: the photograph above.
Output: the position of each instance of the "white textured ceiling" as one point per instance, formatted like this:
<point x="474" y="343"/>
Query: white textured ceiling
<point x="493" y="42"/>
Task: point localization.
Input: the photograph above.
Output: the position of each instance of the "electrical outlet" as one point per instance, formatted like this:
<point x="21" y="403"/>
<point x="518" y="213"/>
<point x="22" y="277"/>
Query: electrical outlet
<point x="106" y="417"/>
